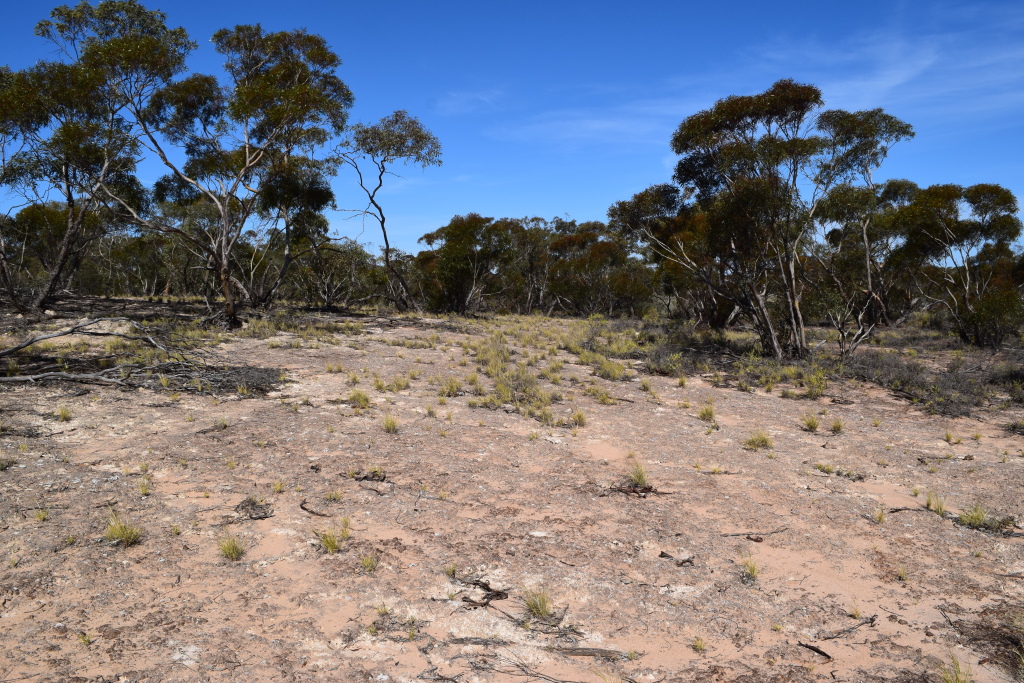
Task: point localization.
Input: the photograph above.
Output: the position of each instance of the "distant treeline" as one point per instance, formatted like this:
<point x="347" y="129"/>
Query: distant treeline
<point x="773" y="217"/>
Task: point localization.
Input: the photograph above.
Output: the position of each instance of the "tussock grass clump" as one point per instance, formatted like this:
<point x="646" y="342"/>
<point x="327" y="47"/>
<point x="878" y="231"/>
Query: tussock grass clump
<point x="602" y="396"/>
<point x="369" y="563"/>
<point x="390" y="424"/>
<point x="537" y="601"/>
<point x="956" y="672"/>
<point x="231" y="548"/>
<point x="7" y="463"/>
<point x="331" y="539"/>
<point x="811" y="422"/>
<point x="707" y="412"/>
<point x="758" y="440"/>
<point x="936" y="504"/>
<point x="637" y="476"/>
<point x="359" y="399"/>
<point x="749" y="571"/>
<point x="837" y="426"/>
<point x="121" y="531"/>
<point x="63" y="414"/>
<point x="976" y="517"/>
<point x="450" y="387"/>
<point x="578" y="418"/>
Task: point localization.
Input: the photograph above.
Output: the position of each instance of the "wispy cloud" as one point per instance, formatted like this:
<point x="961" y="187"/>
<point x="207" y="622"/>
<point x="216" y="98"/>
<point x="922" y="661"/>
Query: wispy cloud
<point x="959" y="63"/>
<point x="968" y="63"/>
<point x="467" y="101"/>
<point x="642" y="121"/>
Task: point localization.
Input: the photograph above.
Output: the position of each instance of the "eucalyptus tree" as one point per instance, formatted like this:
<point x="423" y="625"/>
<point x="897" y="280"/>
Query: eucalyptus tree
<point x="469" y="260"/>
<point x="755" y="175"/>
<point x="225" y="142"/>
<point x="854" y="269"/>
<point x="63" y="145"/>
<point x="963" y="239"/>
<point x="372" y="151"/>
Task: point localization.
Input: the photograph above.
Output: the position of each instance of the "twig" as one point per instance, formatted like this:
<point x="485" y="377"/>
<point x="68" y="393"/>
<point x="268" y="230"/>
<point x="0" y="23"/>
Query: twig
<point x="303" y="507"/>
<point x="758" y="533"/>
<point x="818" y="650"/>
<point x="870" y="620"/>
<point x="594" y="652"/>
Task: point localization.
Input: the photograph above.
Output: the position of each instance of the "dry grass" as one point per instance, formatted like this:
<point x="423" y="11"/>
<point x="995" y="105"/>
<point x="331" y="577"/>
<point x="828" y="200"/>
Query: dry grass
<point x="758" y="440"/>
<point x="537" y="602"/>
<point x="121" y="531"/>
<point x="637" y="474"/>
<point x="231" y="548"/>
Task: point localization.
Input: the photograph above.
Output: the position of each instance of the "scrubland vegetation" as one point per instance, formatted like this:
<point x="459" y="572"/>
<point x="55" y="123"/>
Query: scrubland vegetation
<point x="533" y="443"/>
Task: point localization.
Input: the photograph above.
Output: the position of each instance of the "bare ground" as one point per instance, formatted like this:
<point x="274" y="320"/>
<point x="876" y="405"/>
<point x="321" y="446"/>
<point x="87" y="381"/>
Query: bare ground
<point x="642" y="587"/>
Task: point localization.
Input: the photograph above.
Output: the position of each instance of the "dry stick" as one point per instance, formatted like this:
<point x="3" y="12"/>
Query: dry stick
<point x="61" y="333"/>
<point x="812" y="648"/>
<point x="593" y="652"/>
<point x="303" y="507"/>
<point x="91" y="377"/>
<point x="892" y="510"/>
<point x="758" y="533"/>
<point x="870" y="620"/>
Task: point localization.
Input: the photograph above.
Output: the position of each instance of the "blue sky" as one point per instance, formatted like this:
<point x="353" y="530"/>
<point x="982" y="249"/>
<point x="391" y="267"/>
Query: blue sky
<point x="561" y="108"/>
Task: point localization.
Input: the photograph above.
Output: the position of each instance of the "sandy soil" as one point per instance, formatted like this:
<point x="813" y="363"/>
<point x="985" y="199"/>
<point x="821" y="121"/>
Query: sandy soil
<point x="643" y="588"/>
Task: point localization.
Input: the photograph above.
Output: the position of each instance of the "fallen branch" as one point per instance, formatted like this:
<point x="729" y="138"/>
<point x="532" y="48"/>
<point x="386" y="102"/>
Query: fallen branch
<point x="489" y="593"/>
<point x="303" y="507"/>
<point x="870" y="621"/>
<point x="74" y="329"/>
<point x="639" y="491"/>
<point x="596" y="652"/>
<point x="100" y="377"/>
<point x="758" y="533"/>
<point x="818" y="650"/>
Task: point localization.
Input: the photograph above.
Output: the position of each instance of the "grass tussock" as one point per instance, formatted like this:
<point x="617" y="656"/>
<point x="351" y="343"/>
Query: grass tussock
<point x="758" y="440"/>
<point x="976" y="517"/>
<point x="537" y="602"/>
<point x="231" y="548"/>
<point x="119" y="530"/>
<point x="637" y="476"/>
